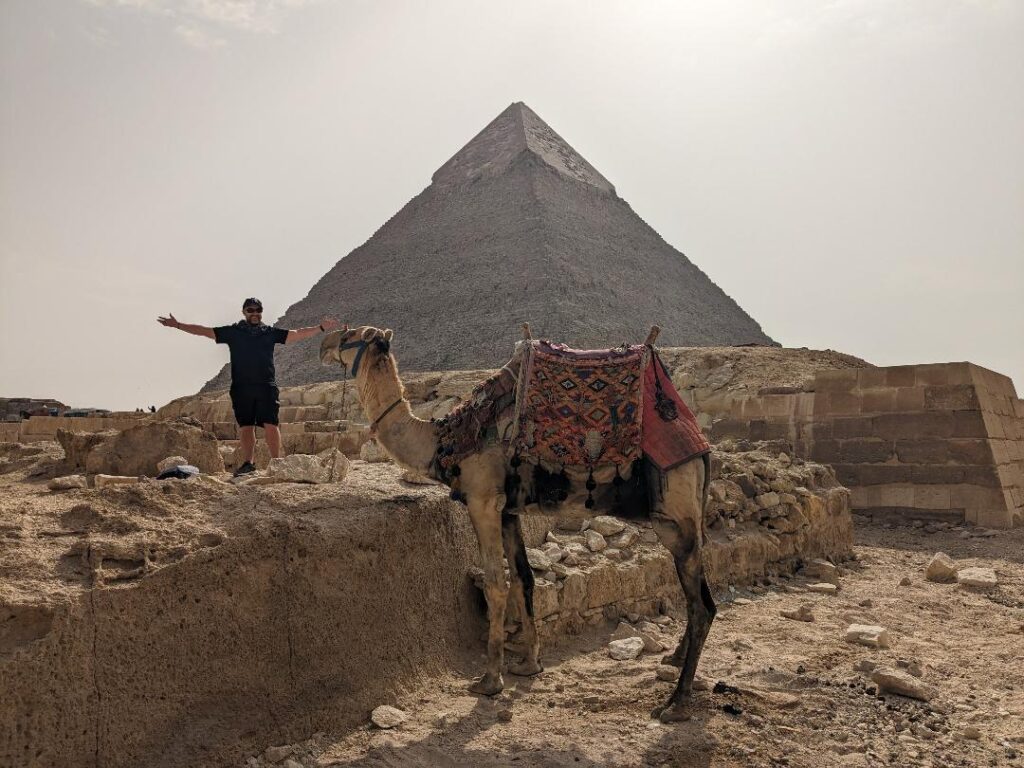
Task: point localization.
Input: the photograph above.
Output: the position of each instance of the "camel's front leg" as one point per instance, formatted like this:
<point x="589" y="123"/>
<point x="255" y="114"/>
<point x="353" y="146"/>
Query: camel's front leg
<point x="483" y="512"/>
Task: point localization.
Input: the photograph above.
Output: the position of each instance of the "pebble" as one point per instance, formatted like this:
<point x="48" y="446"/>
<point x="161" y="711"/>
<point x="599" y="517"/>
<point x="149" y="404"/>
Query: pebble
<point x="893" y="681"/>
<point x="626" y="649"/>
<point x="905" y="581"/>
<point x="595" y="541"/>
<point x="742" y="601"/>
<point x="971" y="732"/>
<point x="67" y="483"/>
<point x="802" y="613"/>
<point x="538" y="559"/>
<point x="667" y="673"/>
<point x="870" y="635"/>
<point x="977" y="578"/>
<point x="823" y="588"/>
<point x="607" y="525"/>
<point x="387" y="717"/>
<point x="941" y="569"/>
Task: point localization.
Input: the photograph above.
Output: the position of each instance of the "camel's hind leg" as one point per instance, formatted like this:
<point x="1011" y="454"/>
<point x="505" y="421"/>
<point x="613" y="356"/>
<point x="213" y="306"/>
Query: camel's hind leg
<point x="677" y="514"/>
<point x="483" y="512"/>
<point x="521" y="591"/>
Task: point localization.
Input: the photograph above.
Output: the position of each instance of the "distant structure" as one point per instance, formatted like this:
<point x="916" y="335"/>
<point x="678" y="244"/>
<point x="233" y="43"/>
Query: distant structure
<point x="18" y="408"/>
<point x="516" y="227"/>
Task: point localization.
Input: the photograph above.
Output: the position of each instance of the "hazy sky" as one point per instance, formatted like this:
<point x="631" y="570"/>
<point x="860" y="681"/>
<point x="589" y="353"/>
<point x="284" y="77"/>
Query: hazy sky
<point x="852" y="173"/>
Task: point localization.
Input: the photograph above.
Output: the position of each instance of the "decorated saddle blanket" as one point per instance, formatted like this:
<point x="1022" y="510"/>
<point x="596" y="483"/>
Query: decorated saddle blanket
<point x="563" y="407"/>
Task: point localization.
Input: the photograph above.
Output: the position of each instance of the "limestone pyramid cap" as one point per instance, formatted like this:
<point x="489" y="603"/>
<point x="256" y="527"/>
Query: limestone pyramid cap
<point x="516" y="130"/>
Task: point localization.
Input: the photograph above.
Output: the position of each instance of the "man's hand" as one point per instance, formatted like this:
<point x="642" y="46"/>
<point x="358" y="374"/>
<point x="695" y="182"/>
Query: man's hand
<point x="329" y="324"/>
<point x="196" y="330"/>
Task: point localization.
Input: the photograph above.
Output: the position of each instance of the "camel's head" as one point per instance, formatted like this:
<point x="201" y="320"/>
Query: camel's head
<point x="354" y="348"/>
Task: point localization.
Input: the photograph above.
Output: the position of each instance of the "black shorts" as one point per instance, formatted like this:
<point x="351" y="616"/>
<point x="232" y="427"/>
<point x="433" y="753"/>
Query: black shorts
<point x="255" y="405"/>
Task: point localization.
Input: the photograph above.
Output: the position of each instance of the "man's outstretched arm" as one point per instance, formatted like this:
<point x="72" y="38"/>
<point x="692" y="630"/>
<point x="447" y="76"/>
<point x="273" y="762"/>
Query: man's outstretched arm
<point x="195" y="330"/>
<point x="298" y="334"/>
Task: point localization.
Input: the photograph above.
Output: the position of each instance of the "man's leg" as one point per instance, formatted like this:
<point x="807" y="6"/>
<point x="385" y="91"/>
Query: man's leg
<point x="273" y="435"/>
<point x="247" y="442"/>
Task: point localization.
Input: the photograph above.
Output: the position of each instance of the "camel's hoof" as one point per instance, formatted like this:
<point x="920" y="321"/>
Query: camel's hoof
<point x="526" y="668"/>
<point x="488" y="685"/>
<point x="671" y="660"/>
<point x="672" y="713"/>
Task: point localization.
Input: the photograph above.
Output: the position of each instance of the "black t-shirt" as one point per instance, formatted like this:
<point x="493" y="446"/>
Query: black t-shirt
<point x="252" y="351"/>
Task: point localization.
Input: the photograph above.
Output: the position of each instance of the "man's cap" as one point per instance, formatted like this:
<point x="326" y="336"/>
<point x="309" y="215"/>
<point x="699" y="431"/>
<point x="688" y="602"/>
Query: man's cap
<point x="252" y="303"/>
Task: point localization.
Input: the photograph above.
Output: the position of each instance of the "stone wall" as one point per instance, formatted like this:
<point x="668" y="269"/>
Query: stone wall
<point x="36" y="428"/>
<point x="942" y="440"/>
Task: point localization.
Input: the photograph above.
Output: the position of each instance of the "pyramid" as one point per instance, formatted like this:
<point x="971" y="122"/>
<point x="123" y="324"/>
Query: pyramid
<point x="516" y="227"/>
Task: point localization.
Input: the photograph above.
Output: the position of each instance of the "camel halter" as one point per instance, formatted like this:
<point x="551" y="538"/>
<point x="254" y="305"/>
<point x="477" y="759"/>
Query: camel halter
<point x="362" y="345"/>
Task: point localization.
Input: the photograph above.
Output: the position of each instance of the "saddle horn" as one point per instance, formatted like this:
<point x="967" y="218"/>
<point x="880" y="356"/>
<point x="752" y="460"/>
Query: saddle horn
<point x="526" y="332"/>
<point x="655" y="330"/>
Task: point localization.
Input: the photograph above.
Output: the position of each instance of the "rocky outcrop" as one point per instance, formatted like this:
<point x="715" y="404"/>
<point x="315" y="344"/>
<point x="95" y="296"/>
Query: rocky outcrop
<point x="139" y="449"/>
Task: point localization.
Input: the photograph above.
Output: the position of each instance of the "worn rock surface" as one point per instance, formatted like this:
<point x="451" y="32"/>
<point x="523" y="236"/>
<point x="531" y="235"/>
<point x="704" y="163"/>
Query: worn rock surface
<point x="140" y="448"/>
<point x="941" y="568"/>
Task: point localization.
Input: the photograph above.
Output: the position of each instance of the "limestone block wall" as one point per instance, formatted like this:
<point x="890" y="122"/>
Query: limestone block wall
<point x="36" y="428"/>
<point x="939" y="440"/>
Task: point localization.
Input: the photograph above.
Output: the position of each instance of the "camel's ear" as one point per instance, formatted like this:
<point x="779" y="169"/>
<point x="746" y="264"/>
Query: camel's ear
<point x="369" y="334"/>
<point x="388" y="335"/>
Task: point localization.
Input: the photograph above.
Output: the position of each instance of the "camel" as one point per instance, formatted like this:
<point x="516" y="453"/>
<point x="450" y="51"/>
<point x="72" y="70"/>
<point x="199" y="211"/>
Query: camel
<point x="674" y="500"/>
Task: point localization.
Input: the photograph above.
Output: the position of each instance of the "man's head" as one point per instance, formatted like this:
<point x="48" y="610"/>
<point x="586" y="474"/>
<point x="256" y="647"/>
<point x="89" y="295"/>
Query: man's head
<point x="252" y="310"/>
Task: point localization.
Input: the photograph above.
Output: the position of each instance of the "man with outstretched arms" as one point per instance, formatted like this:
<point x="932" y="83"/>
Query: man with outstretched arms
<point x="254" y="393"/>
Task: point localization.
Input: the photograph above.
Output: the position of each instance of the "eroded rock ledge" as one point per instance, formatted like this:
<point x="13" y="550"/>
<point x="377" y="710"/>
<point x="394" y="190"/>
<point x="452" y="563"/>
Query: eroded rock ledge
<point x="179" y="623"/>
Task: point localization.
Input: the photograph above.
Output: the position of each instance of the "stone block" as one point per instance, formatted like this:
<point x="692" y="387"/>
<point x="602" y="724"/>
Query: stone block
<point x="985" y="475"/>
<point x="968" y="424"/>
<point x="994" y="518"/>
<point x="910" y="399"/>
<point x="901" y="376"/>
<point x="878" y="400"/>
<point x="841" y="403"/>
<point x="895" y="495"/>
<point x="951" y="397"/>
<point x="870" y="378"/>
<point x="970" y="451"/>
<point x="974" y="497"/>
<point x="922" y="451"/>
<point x="849" y="427"/>
<point x="826" y="451"/>
<point x="871" y="474"/>
<point x="931" y="474"/>
<point x="865" y="451"/>
<point x="913" y="425"/>
<point x="931" y="497"/>
<point x="835" y="381"/>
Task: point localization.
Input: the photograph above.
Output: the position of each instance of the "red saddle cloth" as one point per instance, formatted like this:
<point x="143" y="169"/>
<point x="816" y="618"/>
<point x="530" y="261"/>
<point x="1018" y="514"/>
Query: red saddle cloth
<point x="588" y="408"/>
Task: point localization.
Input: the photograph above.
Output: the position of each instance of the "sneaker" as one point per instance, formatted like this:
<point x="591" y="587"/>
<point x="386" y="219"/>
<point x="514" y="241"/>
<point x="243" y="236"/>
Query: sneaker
<point x="245" y="469"/>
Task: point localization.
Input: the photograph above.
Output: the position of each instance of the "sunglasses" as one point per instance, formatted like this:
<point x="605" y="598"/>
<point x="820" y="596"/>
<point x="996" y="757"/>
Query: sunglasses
<point x="253" y="311"/>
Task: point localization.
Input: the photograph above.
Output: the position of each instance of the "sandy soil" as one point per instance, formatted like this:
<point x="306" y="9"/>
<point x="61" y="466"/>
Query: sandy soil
<point x="800" y="701"/>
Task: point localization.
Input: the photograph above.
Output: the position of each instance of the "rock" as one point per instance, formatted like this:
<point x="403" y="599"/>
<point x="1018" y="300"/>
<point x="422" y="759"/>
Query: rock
<point x="67" y="483"/>
<point x="595" y="541"/>
<point x="624" y="631"/>
<point x="971" y="732"/>
<point x="170" y="463"/>
<point x="289" y="763"/>
<point x="277" y="754"/>
<point x="941" y="569"/>
<point x="102" y="481"/>
<point x="742" y="601"/>
<point x="893" y="681"/>
<point x="864" y="665"/>
<point x="416" y="478"/>
<point x="667" y="673"/>
<point x="554" y="552"/>
<point x="822" y="570"/>
<point x="606" y="525"/>
<point x="905" y="581"/>
<point x="625" y="649"/>
<point x="372" y="451"/>
<point x="625" y="539"/>
<point x="648" y="536"/>
<point x="538" y="559"/>
<point x="977" y="578"/>
<point x="387" y="717"/>
<point x="803" y="613"/>
<point x="504" y="714"/>
<point x="137" y="450"/>
<point x="868" y="634"/>
<point x="652" y="644"/>
<point x="823" y="588"/>
<point x="767" y="500"/>
<point x="298" y="468"/>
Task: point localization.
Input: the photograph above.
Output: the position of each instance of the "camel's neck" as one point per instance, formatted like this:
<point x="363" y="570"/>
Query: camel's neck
<point x="411" y="441"/>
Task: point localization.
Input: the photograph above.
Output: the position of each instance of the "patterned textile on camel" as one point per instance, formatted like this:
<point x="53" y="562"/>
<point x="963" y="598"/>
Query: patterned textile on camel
<point x="561" y="407"/>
